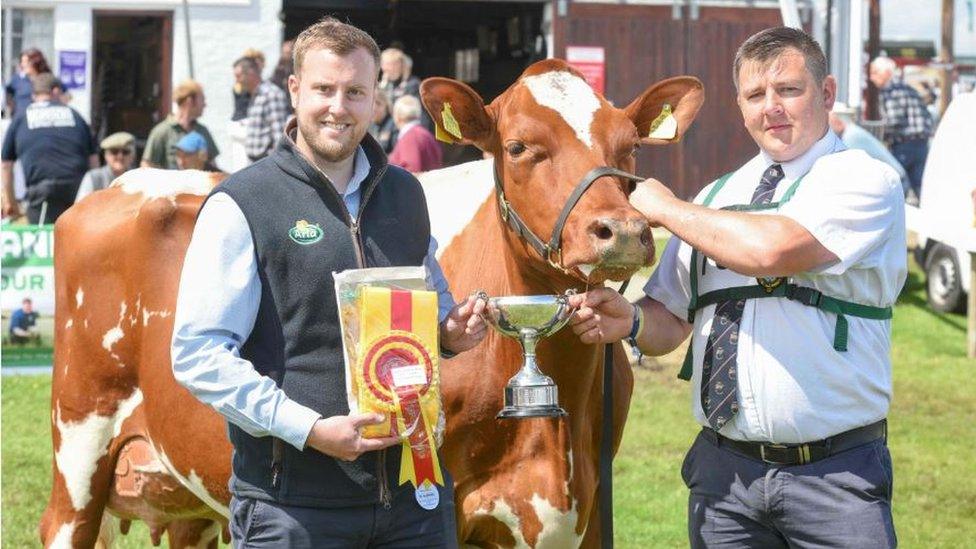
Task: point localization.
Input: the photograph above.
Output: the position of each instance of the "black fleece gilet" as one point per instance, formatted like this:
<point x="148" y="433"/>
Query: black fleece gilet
<point x="296" y="338"/>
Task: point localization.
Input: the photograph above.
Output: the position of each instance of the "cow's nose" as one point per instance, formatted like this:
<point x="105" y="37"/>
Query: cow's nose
<point x="618" y="239"/>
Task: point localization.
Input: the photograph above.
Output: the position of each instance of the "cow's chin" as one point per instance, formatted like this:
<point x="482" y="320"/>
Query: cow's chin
<point x="600" y="273"/>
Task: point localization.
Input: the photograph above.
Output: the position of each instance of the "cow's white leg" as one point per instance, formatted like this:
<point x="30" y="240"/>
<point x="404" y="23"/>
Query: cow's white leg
<point x="82" y="473"/>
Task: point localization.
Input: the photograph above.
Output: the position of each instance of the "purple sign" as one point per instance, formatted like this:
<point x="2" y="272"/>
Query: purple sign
<point x="72" y="69"/>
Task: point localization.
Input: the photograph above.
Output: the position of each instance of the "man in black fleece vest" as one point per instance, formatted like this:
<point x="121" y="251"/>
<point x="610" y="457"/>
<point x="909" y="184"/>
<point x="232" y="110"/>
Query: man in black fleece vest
<point x="256" y="334"/>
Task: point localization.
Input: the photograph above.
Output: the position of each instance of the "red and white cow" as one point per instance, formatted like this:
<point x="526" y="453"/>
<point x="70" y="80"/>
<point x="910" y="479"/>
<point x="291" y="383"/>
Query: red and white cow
<point x="533" y="482"/>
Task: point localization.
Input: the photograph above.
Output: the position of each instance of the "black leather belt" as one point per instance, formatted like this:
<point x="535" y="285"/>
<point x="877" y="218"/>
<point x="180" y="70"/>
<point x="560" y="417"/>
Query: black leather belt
<point x="800" y="454"/>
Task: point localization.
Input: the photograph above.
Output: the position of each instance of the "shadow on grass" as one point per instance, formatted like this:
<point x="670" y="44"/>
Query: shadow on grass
<point x="913" y="294"/>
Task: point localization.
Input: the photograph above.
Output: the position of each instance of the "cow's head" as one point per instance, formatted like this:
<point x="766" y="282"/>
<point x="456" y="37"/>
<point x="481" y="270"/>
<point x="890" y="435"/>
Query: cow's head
<point x="546" y="132"/>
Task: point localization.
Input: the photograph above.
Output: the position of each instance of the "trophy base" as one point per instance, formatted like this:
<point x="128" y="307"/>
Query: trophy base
<point x="511" y="412"/>
<point x="531" y="401"/>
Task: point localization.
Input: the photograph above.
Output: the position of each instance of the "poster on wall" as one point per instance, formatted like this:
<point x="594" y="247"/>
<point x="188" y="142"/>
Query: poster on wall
<point x="72" y="69"/>
<point x="27" y="295"/>
<point x="591" y="61"/>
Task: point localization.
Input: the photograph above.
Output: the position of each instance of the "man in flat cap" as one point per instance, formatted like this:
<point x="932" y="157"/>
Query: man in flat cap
<point x="55" y="147"/>
<point x="119" y="150"/>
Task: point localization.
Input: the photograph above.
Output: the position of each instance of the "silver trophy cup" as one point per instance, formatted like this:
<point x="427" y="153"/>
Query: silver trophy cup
<point x="529" y="393"/>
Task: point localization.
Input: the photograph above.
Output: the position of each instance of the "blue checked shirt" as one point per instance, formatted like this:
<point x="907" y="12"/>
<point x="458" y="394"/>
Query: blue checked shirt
<point x="905" y="115"/>
<point x="265" y="121"/>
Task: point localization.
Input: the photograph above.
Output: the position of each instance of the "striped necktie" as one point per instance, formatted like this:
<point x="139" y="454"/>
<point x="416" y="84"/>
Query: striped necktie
<point x="718" y="389"/>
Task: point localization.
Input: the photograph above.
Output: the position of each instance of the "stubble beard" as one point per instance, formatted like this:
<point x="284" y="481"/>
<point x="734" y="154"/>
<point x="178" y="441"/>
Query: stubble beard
<point x="325" y="149"/>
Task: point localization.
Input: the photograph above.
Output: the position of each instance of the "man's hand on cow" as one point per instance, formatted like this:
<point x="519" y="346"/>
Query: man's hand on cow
<point x="464" y="326"/>
<point x="602" y="316"/>
<point x="649" y="198"/>
<point x="339" y="436"/>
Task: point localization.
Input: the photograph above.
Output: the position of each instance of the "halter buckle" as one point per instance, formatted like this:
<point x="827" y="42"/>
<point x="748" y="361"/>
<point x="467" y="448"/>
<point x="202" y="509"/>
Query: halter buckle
<point x="558" y="264"/>
<point x="503" y="207"/>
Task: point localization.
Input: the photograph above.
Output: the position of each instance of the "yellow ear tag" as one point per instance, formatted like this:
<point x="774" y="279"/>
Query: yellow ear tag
<point x="442" y="135"/>
<point x="450" y="124"/>
<point x="665" y="126"/>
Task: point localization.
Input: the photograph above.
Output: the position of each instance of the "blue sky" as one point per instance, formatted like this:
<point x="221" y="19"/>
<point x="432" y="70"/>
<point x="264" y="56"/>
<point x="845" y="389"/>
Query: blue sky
<point x="921" y="20"/>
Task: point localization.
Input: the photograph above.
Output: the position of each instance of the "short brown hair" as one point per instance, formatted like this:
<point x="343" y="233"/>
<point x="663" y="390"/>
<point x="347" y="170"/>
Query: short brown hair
<point x="247" y="63"/>
<point x="336" y="36"/>
<point x="767" y="45"/>
<point x="187" y="89"/>
<point x="43" y="83"/>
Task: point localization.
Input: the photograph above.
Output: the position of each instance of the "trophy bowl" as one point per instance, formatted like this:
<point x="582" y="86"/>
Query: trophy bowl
<point x="529" y="393"/>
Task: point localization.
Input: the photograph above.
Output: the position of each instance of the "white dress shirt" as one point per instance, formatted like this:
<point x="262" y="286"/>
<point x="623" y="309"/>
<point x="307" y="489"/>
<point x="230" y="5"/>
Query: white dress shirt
<point x="793" y="386"/>
<point x="219" y="295"/>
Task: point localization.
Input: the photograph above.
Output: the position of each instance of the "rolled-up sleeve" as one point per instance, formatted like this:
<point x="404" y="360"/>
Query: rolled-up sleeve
<point x="215" y="312"/>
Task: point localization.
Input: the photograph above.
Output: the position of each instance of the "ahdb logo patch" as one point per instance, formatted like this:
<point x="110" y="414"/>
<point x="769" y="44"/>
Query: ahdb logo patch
<point x="305" y="233"/>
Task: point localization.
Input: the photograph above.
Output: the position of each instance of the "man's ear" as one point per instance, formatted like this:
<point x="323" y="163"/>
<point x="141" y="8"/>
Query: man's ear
<point x="293" y="84"/>
<point x="829" y="92"/>
<point x="458" y="112"/>
<point x="665" y="110"/>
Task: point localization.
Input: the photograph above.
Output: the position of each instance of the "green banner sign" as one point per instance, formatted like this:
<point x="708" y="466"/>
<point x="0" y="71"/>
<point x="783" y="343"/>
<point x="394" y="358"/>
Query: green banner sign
<point x="27" y="294"/>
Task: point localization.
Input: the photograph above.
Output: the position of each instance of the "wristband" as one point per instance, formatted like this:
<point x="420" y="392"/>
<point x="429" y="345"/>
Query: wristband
<point x="637" y="326"/>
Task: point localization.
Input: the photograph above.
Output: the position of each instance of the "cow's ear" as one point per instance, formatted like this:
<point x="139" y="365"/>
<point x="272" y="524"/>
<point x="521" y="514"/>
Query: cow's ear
<point x="458" y="112"/>
<point x="666" y="109"/>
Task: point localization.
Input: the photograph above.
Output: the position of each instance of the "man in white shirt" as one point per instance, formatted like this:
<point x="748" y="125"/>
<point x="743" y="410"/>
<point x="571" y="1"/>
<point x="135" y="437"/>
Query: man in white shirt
<point x="784" y="272"/>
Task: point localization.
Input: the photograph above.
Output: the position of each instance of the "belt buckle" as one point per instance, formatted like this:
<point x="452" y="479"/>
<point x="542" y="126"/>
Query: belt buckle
<point x="802" y="452"/>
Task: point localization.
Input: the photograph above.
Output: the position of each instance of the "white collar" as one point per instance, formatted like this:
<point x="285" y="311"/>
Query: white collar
<point x="359" y="172"/>
<point x="800" y="165"/>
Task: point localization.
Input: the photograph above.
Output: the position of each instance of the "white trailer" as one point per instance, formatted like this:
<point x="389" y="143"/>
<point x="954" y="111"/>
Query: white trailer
<point x="946" y="217"/>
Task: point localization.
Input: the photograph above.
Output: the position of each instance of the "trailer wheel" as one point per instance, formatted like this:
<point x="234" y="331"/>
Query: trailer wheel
<point x="943" y="281"/>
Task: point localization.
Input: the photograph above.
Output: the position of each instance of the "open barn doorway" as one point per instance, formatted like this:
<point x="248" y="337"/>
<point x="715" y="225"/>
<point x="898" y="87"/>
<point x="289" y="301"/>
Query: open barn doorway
<point x="131" y="86"/>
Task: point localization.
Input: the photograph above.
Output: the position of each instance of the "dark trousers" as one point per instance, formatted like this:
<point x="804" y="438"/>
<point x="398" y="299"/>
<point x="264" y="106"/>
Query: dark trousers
<point x="58" y="194"/>
<point x="911" y="155"/>
<point x="841" y="501"/>
<point x="266" y="524"/>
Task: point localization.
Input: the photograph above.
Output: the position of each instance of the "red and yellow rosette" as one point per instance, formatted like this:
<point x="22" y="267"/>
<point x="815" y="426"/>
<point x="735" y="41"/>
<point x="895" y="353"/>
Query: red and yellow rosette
<point x="398" y="370"/>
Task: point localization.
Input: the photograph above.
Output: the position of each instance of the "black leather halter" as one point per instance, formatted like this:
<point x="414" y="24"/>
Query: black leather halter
<point x="552" y="252"/>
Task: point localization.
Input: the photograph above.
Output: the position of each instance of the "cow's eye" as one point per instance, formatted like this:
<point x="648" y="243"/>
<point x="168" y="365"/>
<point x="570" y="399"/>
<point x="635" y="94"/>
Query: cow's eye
<point x="515" y="148"/>
<point x="635" y="150"/>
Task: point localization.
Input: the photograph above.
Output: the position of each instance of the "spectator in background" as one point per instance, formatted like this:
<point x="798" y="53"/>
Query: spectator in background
<point x="383" y="129"/>
<point x="285" y="66"/>
<point x="55" y="146"/>
<point x="267" y="111"/>
<point x="19" y="89"/>
<point x="416" y="150"/>
<point x="161" y="146"/>
<point x="23" y="324"/>
<point x="395" y="79"/>
<point x="908" y="124"/>
<point x="191" y="152"/>
<point x="119" y="150"/>
<point x="855" y="137"/>
<point x="242" y="97"/>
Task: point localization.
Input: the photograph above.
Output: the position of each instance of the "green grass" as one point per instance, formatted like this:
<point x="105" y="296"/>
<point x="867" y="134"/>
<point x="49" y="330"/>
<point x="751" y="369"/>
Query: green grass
<point x="932" y="420"/>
